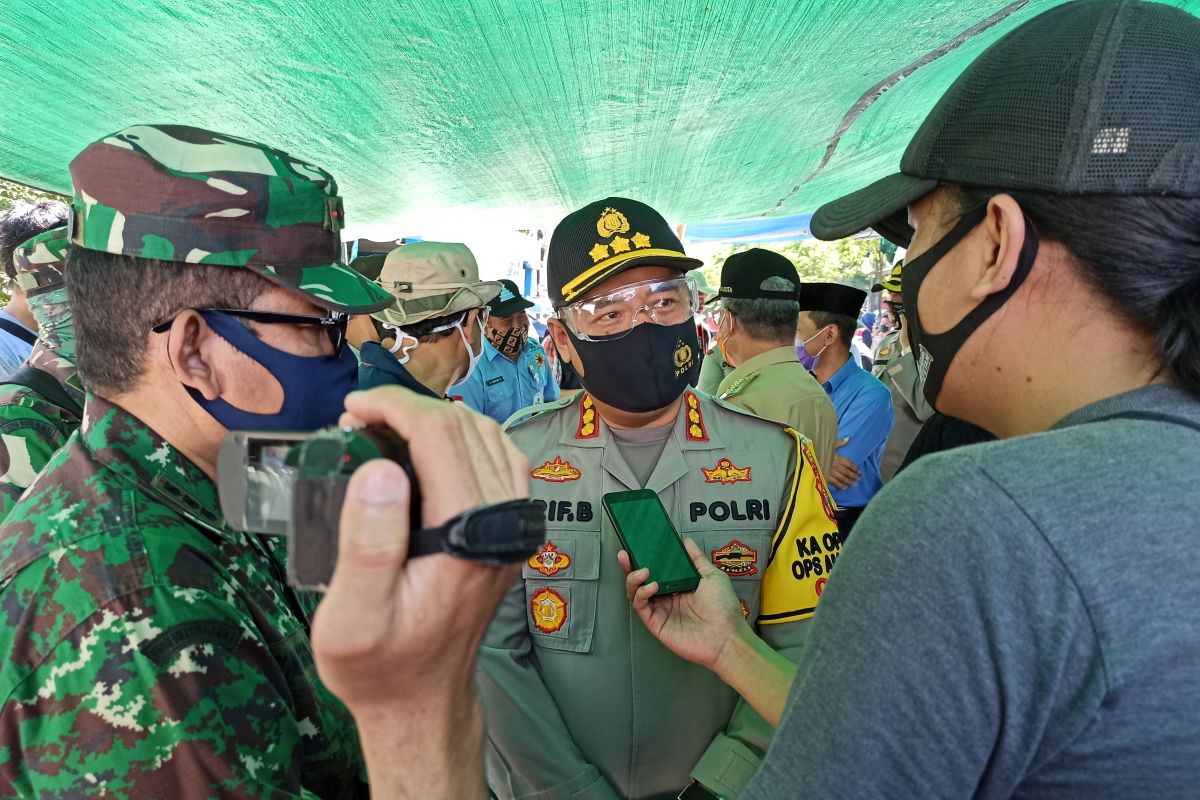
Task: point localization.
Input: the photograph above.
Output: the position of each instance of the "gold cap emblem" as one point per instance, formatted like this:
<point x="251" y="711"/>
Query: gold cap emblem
<point x="611" y="222"/>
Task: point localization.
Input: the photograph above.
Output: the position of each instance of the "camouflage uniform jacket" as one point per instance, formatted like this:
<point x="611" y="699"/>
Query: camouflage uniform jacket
<point x="32" y="427"/>
<point x="147" y="650"/>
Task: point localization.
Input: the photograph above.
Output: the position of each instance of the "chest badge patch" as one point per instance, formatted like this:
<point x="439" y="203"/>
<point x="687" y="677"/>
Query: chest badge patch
<point x="556" y="471"/>
<point x="549" y="610"/>
<point x="549" y="561"/>
<point x="725" y="472"/>
<point x="736" y="559"/>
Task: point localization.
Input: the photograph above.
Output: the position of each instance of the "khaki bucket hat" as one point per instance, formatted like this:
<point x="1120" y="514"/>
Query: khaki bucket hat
<point x="432" y="279"/>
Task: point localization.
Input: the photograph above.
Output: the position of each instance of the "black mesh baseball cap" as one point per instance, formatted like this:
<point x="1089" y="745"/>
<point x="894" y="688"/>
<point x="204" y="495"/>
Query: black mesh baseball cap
<point x="1090" y="97"/>
<point x="605" y="238"/>
<point x="743" y="273"/>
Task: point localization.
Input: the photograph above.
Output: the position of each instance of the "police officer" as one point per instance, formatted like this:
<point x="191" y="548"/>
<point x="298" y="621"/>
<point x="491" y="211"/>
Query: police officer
<point x="432" y="338"/>
<point x="208" y="295"/>
<point x="40" y="404"/>
<point x="759" y="303"/>
<point x="514" y="372"/>
<point x="581" y="701"/>
<point x="895" y="366"/>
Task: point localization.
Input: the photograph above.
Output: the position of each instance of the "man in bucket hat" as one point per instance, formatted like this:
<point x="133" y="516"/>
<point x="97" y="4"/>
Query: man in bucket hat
<point x="432" y="338"/>
<point x="151" y="648"/>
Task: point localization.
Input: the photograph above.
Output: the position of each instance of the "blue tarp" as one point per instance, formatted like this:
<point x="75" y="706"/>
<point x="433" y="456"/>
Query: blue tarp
<point x="750" y="231"/>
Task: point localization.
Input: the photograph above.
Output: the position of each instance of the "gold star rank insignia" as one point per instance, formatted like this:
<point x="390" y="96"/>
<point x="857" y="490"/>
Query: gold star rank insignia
<point x="620" y="245"/>
<point x="599" y="252"/>
<point x="641" y="241"/>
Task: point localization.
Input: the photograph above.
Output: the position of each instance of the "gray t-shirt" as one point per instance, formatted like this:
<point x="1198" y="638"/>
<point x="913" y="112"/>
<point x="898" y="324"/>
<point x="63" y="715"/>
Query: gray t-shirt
<point x="642" y="447"/>
<point x="1014" y="619"/>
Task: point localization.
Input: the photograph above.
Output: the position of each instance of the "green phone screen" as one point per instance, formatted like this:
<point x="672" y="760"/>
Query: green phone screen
<point x="647" y="534"/>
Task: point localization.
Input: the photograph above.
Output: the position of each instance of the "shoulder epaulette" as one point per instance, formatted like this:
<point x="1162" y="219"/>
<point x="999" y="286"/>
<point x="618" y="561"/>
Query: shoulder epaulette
<point x="525" y="414"/>
<point x="738" y="385"/>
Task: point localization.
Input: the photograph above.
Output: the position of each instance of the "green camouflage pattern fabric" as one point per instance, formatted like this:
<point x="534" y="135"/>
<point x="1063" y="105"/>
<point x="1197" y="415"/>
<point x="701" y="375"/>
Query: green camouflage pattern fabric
<point x="39" y="261"/>
<point x="182" y="194"/>
<point x="148" y="651"/>
<point x="33" y="427"/>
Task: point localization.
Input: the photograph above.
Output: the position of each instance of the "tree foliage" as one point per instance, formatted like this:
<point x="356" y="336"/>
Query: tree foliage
<point x="842" y="261"/>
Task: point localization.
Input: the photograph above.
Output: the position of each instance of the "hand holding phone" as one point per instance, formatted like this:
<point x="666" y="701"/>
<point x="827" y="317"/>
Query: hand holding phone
<point x="650" y="539"/>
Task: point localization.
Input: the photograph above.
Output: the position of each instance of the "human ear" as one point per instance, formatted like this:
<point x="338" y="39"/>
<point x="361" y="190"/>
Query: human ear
<point x="1003" y="234"/>
<point x="562" y="342"/>
<point x="190" y="350"/>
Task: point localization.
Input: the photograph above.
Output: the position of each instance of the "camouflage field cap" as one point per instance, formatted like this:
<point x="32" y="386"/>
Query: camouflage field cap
<point x="432" y="279"/>
<point x="40" y="261"/>
<point x="183" y="194"/>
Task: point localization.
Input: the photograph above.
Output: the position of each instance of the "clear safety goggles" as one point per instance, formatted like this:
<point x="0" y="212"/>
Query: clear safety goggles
<point x="613" y="315"/>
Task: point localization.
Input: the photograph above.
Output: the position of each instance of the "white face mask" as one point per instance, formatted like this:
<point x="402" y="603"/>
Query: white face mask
<point x="471" y="354"/>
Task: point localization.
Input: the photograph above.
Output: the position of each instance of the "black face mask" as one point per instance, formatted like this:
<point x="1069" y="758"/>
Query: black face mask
<point x="645" y="370"/>
<point x="935" y="351"/>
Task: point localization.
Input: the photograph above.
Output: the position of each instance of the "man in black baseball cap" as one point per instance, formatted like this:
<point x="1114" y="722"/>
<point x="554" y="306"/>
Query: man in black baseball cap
<point x="580" y="699"/>
<point x="1017" y="618"/>
<point x="757" y="306"/>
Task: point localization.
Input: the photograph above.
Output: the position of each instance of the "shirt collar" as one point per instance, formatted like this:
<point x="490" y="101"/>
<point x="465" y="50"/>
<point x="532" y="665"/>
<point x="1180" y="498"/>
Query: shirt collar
<point x="769" y="358"/>
<point x="1167" y="398"/>
<point x="376" y="356"/>
<point x="128" y="447"/>
<point x="842" y="375"/>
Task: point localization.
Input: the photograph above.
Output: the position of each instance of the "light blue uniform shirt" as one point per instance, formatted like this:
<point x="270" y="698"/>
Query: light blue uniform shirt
<point x="865" y="414"/>
<point x="499" y="387"/>
<point x="13" y="351"/>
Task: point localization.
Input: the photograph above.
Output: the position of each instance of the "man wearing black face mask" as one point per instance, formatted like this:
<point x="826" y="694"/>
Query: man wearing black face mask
<point x="513" y="371"/>
<point x="207" y="295"/>
<point x="580" y="700"/>
<point x="1020" y="616"/>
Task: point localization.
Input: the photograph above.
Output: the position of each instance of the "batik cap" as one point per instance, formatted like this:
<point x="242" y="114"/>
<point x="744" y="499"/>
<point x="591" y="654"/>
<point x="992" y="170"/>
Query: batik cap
<point x="187" y="195"/>
<point x="40" y="261"/>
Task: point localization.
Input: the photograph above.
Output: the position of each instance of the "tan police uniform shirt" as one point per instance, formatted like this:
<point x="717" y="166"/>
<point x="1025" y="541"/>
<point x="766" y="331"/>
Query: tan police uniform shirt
<point x="775" y="386"/>
<point x="898" y="371"/>
<point x="581" y="701"/>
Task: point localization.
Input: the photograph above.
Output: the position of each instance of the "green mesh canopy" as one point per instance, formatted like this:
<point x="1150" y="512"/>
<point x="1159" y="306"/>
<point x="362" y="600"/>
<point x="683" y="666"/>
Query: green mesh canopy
<point x="519" y="109"/>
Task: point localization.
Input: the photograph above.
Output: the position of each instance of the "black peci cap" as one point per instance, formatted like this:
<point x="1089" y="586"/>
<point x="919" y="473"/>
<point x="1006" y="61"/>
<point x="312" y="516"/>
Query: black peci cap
<point x="1090" y="97"/>
<point x="743" y="273"/>
<point x="509" y="301"/>
<point x="369" y="266"/>
<point x="605" y="238"/>
<point x="833" y="298"/>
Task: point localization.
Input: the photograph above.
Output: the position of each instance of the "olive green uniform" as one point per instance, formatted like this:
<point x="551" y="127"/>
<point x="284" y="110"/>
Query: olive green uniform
<point x="898" y="371"/>
<point x="712" y="371"/>
<point x="581" y="701"/>
<point x="773" y="385"/>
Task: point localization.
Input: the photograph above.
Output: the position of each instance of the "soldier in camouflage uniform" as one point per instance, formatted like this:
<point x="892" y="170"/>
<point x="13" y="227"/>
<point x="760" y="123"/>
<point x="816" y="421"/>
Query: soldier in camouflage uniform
<point x="35" y="421"/>
<point x="149" y="650"/>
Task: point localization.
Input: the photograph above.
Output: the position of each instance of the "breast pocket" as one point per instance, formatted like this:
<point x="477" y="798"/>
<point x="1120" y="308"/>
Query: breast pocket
<point x="743" y="556"/>
<point x="561" y="584"/>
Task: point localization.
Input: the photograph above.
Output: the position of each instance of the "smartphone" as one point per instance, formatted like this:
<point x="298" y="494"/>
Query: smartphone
<point x="650" y="539"/>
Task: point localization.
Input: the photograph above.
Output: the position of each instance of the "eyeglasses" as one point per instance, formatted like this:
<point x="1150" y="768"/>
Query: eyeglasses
<point x="613" y="315"/>
<point x="334" y="324"/>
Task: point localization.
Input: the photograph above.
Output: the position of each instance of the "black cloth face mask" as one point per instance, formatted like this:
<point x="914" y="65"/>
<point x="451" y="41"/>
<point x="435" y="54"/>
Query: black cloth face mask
<point x="644" y="370"/>
<point x="935" y="351"/>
